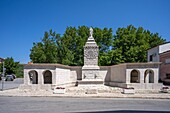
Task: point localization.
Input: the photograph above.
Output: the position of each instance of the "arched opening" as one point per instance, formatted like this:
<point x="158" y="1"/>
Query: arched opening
<point x="33" y="77"/>
<point x="134" y="76"/>
<point x="47" y="77"/>
<point x="149" y="76"/>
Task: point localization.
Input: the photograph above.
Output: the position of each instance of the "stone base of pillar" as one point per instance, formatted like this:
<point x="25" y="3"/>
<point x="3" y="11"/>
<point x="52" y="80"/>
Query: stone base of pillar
<point x="90" y="73"/>
<point x="90" y="82"/>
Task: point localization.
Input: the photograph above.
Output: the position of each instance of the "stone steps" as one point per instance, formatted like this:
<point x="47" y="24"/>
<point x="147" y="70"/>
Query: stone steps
<point x="92" y="90"/>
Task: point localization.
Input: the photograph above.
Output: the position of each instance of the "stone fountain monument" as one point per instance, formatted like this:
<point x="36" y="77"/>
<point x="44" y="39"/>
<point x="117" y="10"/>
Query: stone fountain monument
<point x="90" y="70"/>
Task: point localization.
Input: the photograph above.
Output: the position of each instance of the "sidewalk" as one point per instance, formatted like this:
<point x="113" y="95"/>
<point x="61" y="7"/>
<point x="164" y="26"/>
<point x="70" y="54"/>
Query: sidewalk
<point x="17" y="92"/>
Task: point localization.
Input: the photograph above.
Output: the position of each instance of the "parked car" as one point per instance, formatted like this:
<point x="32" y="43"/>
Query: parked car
<point x="14" y="76"/>
<point x="165" y="89"/>
<point x="9" y="78"/>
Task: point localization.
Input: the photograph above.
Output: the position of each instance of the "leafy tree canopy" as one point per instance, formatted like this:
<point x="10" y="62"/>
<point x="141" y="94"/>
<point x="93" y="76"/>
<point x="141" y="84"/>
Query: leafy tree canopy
<point x="129" y="44"/>
<point x="46" y="50"/>
<point x="68" y="49"/>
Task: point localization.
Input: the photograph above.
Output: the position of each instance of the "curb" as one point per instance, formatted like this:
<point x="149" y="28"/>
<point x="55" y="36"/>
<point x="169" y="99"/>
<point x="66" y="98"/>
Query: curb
<point x="87" y="96"/>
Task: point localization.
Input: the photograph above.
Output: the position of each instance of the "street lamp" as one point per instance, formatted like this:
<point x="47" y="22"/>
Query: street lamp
<point x="3" y="75"/>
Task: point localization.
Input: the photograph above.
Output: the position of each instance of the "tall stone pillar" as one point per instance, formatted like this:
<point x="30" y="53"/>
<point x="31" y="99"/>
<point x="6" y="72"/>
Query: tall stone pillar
<point x="142" y="76"/>
<point x="90" y="70"/>
<point x="156" y="75"/>
<point x="40" y="77"/>
<point x="54" y="77"/>
<point x="26" y="77"/>
<point x="128" y="76"/>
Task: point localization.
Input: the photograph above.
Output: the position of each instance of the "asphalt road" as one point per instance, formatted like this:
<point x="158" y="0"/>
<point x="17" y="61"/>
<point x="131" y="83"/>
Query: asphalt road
<point x="79" y="105"/>
<point x="11" y="84"/>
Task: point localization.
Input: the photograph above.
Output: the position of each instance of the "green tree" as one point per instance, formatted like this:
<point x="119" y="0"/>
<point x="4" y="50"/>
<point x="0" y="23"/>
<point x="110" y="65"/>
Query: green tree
<point x="74" y="39"/>
<point x="131" y="44"/>
<point x="37" y="53"/>
<point x="68" y="49"/>
<point x="155" y="40"/>
<point x="19" y="71"/>
<point x="11" y="66"/>
<point x="69" y="46"/>
<point x="104" y="39"/>
<point x="45" y="51"/>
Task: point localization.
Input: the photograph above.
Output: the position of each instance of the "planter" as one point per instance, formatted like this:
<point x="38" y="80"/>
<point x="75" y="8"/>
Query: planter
<point x="128" y="90"/>
<point x="59" y="90"/>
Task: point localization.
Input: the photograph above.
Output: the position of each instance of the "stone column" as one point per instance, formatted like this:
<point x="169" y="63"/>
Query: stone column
<point x="128" y="76"/>
<point x="147" y="78"/>
<point x="156" y="75"/>
<point x="54" y="77"/>
<point x="26" y="77"/>
<point x="142" y="74"/>
<point x="57" y="76"/>
<point x="40" y="77"/>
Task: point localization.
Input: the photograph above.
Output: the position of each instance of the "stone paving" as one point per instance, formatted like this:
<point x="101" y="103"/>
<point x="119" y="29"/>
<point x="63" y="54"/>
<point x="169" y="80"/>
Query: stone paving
<point x="96" y="92"/>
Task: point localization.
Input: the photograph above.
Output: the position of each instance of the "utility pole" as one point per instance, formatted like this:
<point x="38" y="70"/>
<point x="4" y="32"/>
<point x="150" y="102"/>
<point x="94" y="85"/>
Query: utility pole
<point x="3" y="75"/>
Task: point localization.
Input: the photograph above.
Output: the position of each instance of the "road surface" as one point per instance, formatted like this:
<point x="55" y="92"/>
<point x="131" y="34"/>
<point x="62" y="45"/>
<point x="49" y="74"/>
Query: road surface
<point x="79" y="105"/>
<point x="11" y="84"/>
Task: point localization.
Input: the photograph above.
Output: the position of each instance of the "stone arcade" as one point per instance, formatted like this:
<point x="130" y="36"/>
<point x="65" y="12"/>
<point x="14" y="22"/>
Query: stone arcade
<point x="48" y="76"/>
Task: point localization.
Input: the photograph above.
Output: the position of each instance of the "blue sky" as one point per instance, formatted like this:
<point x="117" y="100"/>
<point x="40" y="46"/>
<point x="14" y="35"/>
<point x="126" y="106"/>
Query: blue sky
<point x="23" y="22"/>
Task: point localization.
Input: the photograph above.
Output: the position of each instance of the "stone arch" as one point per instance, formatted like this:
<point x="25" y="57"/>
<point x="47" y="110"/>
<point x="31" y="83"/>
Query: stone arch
<point x="47" y="77"/>
<point x="135" y="76"/>
<point x="33" y="76"/>
<point x="149" y="76"/>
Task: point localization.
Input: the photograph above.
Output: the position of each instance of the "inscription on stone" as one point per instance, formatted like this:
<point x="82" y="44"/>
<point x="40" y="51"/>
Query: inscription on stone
<point x="89" y="76"/>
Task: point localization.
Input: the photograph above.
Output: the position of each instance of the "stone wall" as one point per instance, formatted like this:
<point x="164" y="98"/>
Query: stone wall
<point x="147" y="75"/>
<point x="60" y="74"/>
<point x="76" y="72"/>
<point x="118" y="73"/>
<point x="104" y="73"/>
<point x="27" y="80"/>
<point x="63" y="76"/>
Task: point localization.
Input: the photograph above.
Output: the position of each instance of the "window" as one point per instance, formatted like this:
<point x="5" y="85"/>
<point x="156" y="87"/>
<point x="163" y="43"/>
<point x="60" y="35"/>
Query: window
<point x="167" y="61"/>
<point x="168" y="76"/>
<point x="134" y="77"/>
<point x="47" y="77"/>
<point x="151" y="58"/>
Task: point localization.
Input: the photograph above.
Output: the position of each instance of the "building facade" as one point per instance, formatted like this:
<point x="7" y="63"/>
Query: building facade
<point x="161" y="54"/>
<point x="165" y="67"/>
